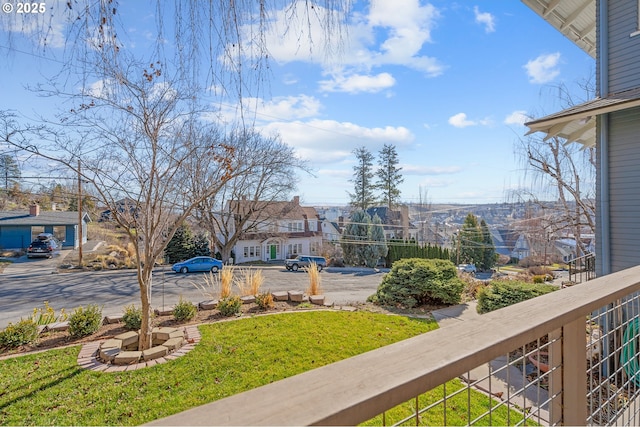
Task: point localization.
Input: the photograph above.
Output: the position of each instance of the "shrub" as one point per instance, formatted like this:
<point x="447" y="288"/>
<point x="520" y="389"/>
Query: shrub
<point x="184" y="310"/>
<point x="21" y="333"/>
<point x="501" y="294"/>
<point x="226" y="281"/>
<point x="250" y="281"/>
<point x="265" y="301"/>
<point x="314" y="279"/>
<point x="47" y="315"/>
<point x="230" y="306"/>
<point x="417" y="281"/>
<point x="83" y="322"/>
<point x="132" y="317"/>
<point x="540" y="278"/>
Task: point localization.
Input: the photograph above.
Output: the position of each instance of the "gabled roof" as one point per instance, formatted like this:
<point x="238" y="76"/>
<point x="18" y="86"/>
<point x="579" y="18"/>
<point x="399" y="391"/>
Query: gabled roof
<point x="44" y="218"/>
<point x="575" y="19"/>
<point x="578" y="123"/>
<point x="281" y="210"/>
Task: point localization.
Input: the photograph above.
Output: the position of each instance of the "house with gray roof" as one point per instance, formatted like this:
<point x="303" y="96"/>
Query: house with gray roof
<point x="20" y="227"/>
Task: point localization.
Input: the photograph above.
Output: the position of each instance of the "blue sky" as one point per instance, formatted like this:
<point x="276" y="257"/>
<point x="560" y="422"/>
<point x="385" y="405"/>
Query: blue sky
<point x="448" y="83"/>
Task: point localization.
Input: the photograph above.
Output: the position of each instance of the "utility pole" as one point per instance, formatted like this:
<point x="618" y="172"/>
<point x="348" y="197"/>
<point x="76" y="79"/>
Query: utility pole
<point x="79" y="216"/>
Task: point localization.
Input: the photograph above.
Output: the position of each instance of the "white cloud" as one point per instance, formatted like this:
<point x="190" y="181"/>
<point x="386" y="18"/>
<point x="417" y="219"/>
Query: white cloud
<point x="460" y="120"/>
<point x="330" y="141"/>
<point x="430" y="170"/>
<point x="486" y="19"/>
<point x="544" y="68"/>
<point x="357" y="83"/>
<point x="48" y="27"/>
<point x="391" y="33"/>
<point x="277" y="109"/>
<point x="518" y="117"/>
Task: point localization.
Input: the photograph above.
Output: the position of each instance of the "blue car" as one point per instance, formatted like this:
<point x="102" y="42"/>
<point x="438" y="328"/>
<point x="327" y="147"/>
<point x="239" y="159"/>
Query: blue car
<point x="199" y="263"/>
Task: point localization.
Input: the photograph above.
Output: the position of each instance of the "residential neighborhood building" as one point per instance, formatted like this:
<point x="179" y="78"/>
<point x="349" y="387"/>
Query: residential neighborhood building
<point x="280" y="230"/>
<point x="395" y="222"/>
<point x="20" y="227"/>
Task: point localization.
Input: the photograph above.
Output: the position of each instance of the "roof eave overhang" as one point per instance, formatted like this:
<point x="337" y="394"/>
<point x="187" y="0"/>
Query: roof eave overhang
<point x="577" y="124"/>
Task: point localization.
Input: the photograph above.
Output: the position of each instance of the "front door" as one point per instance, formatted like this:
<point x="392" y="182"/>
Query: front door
<point x="272" y="251"/>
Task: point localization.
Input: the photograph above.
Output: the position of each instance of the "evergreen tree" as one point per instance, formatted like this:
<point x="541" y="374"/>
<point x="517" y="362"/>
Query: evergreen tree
<point x="469" y="244"/>
<point x="180" y="247"/>
<point x="488" y="249"/>
<point x="362" y="196"/>
<point x="389" y="176"/>
<point x="201" y="245"/>
<point x="378" y="245"/>
<point x="354" y="238"/>
<point x="9" y="172"/>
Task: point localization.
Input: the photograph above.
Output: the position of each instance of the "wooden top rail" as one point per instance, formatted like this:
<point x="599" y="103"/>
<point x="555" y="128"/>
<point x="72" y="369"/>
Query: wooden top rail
<point x="359" y="388"/>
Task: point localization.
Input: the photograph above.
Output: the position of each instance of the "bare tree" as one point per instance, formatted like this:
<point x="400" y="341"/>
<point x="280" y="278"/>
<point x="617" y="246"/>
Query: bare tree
<point x="562" y="178"/>
<point x="265" y="172"/>
<point x="133" y="141"/>
<point x="566" y="173"/>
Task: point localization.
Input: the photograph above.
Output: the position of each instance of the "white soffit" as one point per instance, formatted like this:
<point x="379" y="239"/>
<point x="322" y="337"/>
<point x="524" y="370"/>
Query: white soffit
<point x="576" y="19"/>
<point x="578" y="124"/>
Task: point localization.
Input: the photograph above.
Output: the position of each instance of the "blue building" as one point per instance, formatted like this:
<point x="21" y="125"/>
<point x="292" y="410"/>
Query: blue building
<point x="18" y="228"/>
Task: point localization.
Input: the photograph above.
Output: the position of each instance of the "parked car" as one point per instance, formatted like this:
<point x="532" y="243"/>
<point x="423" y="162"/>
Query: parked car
<point x="45" y="245"/>
<point x="304" y="261"/>
<point x="467" y="268"/>
<point x="199" y="263"/>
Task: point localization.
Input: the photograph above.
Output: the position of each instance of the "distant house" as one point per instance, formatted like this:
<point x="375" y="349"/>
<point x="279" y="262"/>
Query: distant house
<point x="330" y="231"/>
<point x="19" y="228"/>
<point x="125" y="207"/>
<point x="395" y="222"/>
<point x="510" y="243"/>
<point x="283" y="229"/>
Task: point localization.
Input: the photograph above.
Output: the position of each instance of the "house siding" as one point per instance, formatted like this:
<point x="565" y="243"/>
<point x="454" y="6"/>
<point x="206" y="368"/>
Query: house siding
<point x="16" y="237"/>
<point x="624" y="50"/>
<point x="624" y="189"/>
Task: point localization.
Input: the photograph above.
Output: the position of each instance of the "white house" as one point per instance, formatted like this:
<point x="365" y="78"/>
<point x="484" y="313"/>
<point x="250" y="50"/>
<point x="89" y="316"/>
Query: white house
<point x="283" y="229"/>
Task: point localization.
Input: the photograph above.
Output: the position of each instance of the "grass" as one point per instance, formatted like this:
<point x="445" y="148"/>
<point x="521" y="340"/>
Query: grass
<point x="456" y="409"/>
<point x="49" y="388"/>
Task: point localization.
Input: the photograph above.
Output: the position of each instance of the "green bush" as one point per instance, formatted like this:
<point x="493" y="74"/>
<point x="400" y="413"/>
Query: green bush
<point x="83" y="322"/>
<point x="132" y="317"/>
<point x="21" y="333"/>
<point x="230" y="306"/>
<point x="505" y="293"/>
<point x="413" y="282"/>
<point x="184" y="310"/>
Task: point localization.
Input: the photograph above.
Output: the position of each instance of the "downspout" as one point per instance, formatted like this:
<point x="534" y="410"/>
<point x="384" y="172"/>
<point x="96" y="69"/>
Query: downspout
<point x="605" y="314"/>
<point x="603" y="66"/>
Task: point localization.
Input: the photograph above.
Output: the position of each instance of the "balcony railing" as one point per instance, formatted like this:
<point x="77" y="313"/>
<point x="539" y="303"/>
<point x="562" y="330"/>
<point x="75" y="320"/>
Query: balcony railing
<point x="583" y="268"/>
<point x="474" y="372"/>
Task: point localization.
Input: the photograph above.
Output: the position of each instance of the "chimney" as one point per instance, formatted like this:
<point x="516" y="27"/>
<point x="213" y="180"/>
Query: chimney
<point x="34" y="210"/>
<point x="296" y="200"/>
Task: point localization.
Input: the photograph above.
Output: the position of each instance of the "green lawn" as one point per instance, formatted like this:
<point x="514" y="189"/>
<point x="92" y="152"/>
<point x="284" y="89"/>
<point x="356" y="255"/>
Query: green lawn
<point x="49" y="388"/>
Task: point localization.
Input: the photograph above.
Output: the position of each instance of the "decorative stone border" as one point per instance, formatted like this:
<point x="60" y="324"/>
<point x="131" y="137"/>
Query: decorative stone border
<point x="88" y="356"/>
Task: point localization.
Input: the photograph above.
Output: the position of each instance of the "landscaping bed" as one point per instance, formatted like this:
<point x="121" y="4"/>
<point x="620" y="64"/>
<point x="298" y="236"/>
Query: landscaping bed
<point x="54" y="339"/>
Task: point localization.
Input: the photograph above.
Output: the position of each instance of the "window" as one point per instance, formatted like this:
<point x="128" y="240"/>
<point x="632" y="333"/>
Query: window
<point x="637" y="31"/>
<point x="251" y="251"/>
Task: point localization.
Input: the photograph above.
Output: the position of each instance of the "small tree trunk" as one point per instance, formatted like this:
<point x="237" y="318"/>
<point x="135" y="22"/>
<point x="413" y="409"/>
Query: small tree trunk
<point x="144" y="281"/>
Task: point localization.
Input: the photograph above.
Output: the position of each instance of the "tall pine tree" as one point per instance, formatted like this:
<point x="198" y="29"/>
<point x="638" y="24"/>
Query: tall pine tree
<point x="389" y="176"/>
<point x="362" y="196"/>
<point x="488" y="249"/>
